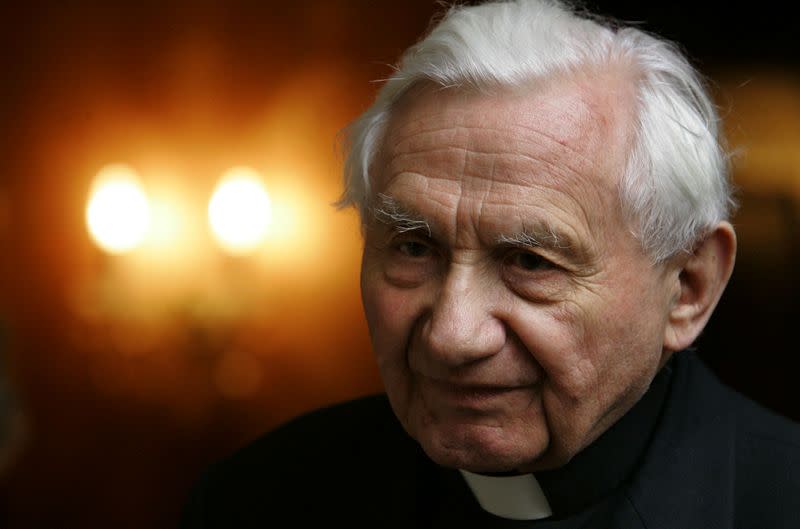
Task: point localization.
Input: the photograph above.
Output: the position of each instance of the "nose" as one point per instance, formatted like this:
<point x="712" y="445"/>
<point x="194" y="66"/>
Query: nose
<point x="461" y="328"/>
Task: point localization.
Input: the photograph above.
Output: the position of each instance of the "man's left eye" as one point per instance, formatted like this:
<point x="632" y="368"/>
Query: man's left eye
<point x="528" y="261"/>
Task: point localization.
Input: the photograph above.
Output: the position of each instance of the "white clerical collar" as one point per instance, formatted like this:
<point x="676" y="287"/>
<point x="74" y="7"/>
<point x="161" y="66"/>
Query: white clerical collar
<point x="512" y="497"/>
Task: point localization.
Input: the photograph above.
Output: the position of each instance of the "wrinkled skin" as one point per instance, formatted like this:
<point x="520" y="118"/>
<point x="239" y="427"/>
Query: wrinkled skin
<point x="498" y="351"/>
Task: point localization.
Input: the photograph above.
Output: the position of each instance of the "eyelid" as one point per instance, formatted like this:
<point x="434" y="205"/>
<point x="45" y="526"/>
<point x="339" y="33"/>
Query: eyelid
<point x="420" y="236"/>
<point x="417" y="234"/>
<point x="509" y="250"/>
<point x="504" y="249"/>
<point x="411" y="258"/>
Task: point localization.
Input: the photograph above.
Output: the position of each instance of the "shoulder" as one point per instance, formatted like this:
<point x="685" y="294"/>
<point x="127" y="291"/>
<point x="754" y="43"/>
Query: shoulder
<point x="343" y="428"/>
<point x="767" y="465"/>
<point x="317" y="461"/>
<point x="707" y="393"/>
<point x="765" y="455"/>
<point x="751" y="423"/>
<point x="329" y="439"/>
<point x="717" y="459"/>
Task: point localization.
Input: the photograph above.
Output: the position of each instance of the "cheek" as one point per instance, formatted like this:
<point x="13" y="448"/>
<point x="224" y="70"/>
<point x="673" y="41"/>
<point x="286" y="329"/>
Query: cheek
<point x="387" y="310"/>
<point x="391" y="313"/>
<point x="635" y="318"/>
<point x="559" y="339"/>
<point x="586" y="345"/>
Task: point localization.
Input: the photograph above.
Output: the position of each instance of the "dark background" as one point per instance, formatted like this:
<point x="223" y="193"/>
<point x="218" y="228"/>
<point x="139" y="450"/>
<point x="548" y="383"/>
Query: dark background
<point x="125" y="376"/>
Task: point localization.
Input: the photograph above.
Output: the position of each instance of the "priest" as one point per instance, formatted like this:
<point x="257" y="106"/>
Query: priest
<point x="544" y="201"/>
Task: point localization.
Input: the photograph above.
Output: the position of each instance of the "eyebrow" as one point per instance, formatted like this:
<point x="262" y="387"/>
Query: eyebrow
<point x="542" y="235"/>
<point x="390" y="212"/>
<point x="534" y="234"/>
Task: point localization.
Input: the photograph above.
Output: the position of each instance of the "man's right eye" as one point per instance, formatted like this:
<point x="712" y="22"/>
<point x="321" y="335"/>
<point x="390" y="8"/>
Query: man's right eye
<point x="413" y="249"/>
<point x="410" y="261"/>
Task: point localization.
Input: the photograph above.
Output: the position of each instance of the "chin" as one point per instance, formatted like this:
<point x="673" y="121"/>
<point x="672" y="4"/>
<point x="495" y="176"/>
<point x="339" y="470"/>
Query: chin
<point x="480" y="448"/>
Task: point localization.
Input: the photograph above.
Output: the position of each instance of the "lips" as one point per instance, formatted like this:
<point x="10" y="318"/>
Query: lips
<point x="471" y="389"/>
<point x="469" y="395"/>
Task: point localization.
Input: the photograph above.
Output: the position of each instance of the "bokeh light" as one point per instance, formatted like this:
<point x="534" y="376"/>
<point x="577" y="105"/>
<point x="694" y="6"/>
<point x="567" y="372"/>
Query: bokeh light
<point x="239" y="212"/>
<point x="118" y="213"/>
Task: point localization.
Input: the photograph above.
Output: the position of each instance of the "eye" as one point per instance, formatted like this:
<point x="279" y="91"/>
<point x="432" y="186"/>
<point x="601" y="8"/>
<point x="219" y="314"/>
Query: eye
<point x="532" y="276"/>
<point x="414" y="249"/>
<point x="410" y="260"/>
<point x="528" y="261"/>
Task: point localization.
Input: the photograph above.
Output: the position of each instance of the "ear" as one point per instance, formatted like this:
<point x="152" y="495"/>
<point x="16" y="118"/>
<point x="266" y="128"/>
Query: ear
<point x="701" y="278"/>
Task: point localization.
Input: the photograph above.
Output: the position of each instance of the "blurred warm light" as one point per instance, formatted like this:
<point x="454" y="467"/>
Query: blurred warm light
<point x="166" y="222"/>
<point x="239" y="211"/>
<point x="294" y="210"/>
<point x="238" y="374"/>
<point x="118" y="214"/>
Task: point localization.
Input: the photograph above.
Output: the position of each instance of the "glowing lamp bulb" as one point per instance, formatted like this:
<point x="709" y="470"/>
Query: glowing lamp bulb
<point x="239" y="211"/>
<point x="118" y="214"/>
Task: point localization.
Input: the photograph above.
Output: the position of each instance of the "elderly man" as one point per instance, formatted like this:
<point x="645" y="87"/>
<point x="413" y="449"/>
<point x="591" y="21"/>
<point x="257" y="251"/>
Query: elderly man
<point x="544" y="202"/>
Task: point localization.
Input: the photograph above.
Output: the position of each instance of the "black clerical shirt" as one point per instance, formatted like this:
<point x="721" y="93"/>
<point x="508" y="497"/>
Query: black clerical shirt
<point x="690" y="454"/>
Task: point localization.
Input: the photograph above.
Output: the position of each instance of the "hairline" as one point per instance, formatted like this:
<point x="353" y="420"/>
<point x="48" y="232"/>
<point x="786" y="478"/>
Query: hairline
<point x="653" y="204"/>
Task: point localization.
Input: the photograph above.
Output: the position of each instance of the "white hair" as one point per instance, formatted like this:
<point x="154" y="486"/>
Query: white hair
<point x="675" y="186"/>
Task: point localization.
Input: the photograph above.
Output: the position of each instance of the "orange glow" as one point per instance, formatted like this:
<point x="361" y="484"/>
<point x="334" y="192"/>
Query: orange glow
<point x="118" y="213"/>
<point x="238" y="374"/>
<point x="296" y="220"/>
<point x="167" y="223"/>
<point x="239" y="211"/>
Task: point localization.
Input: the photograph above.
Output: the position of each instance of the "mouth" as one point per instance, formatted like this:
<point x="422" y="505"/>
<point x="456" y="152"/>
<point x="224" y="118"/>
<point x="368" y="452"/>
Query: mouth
<point x="474" y="396"/>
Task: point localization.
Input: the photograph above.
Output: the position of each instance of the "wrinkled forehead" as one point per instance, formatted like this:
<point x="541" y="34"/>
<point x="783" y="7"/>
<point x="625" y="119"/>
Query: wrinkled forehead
<point x="583" y="122"/>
